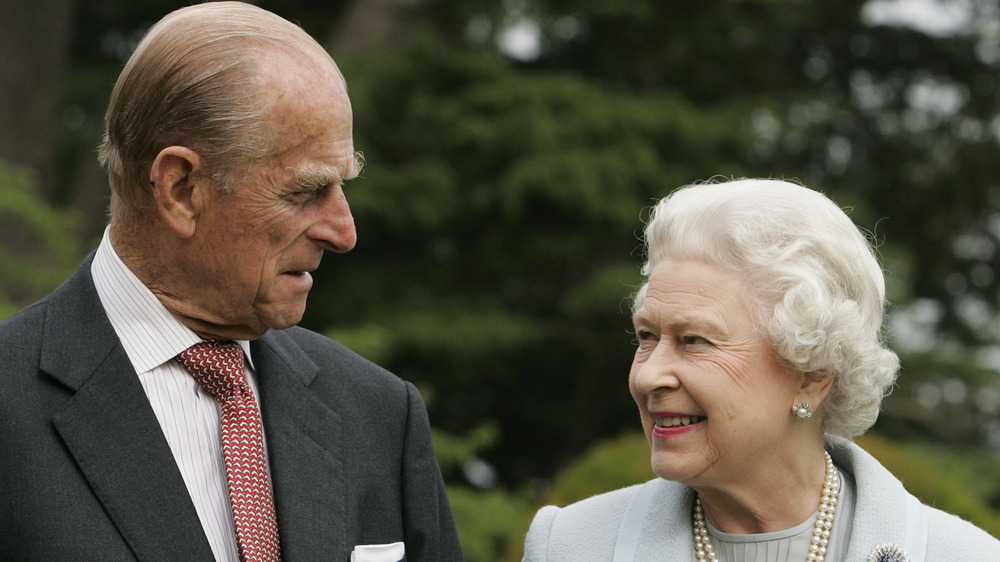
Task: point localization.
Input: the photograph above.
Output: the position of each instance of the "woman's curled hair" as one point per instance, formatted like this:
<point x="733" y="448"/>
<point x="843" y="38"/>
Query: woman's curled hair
<point x="816" y="287"/>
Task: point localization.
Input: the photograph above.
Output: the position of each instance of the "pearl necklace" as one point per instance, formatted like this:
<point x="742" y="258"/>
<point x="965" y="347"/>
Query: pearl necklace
<point x="705" y="552"/>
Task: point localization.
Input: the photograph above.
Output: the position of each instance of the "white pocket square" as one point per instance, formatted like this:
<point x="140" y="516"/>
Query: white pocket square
<point x="378" y="552"/>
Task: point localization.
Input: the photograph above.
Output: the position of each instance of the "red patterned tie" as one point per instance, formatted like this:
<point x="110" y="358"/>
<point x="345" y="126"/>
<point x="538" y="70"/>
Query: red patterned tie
<point x="218" y="366"/>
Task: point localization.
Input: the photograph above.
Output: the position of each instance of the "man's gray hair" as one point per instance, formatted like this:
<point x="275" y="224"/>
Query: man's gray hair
<point x="193" y="81"/>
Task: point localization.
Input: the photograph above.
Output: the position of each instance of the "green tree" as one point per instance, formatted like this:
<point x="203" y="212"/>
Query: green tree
<point x="500" y="211"/>
<point x="37" y="247"/>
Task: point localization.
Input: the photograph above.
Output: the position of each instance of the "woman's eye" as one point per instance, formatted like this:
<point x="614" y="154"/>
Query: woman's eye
<point x="693" y="340"/>
<point x="645" y="336"/>
<point x="644" y="340"/>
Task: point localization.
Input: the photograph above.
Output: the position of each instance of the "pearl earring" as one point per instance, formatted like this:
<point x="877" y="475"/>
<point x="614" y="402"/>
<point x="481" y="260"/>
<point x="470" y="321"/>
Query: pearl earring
<point x="802" y="410"/>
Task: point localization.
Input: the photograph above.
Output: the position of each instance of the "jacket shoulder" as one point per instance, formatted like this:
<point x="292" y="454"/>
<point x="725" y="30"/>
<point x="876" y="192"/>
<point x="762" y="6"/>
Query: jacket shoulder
<point x="582" y="531"/>
<point x="588" y="530"/>
<point x="25" y="322"/>
<point x="336" y="365"/>
<point x="321" y="349"/>
<point x="20" y="337"/>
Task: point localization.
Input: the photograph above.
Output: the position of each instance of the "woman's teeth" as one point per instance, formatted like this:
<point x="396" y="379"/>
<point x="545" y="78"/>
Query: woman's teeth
<point x="678" y="421"/>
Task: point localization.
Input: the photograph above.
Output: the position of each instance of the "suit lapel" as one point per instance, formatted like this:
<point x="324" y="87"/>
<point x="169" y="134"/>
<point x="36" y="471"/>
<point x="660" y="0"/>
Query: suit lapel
<point x="303" y="435"/>
<point x="111" y="431"/>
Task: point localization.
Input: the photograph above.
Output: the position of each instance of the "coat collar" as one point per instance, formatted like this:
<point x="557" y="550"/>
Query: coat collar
<point x="878" y="493"/>
<point x="110" y="429"/>
<point x="673" y="506"/>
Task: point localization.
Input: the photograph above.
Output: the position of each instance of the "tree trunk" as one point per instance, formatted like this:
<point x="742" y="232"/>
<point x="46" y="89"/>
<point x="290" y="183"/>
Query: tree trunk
<point x="34" y="54"/>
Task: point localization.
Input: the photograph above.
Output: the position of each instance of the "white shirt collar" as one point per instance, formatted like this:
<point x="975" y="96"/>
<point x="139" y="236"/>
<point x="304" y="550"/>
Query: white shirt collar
<point x="150" y="334"/>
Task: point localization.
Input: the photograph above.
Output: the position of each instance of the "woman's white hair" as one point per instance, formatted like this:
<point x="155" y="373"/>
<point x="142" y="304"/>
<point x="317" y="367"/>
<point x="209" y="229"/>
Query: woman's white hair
<point x="818" y="288"/>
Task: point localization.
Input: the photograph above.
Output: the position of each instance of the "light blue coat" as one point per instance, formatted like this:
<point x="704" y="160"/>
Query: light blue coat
<point x="587" y="530"/>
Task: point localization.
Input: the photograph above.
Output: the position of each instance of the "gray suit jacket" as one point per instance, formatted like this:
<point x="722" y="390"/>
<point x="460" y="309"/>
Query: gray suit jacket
<point x="86" y="473"/>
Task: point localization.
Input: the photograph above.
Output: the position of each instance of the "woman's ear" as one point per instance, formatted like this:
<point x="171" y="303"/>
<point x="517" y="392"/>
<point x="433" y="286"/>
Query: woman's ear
<point x="815" y="387"/>
<point x="181" y="188"/>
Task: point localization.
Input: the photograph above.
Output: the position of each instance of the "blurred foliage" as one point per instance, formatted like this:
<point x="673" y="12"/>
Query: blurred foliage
<point x="488" y="518"/>
<point x="945" y="397"/>
<point x="489" y="522"/>
<point x="897" y="121"/>
<point x="38" y="250"/>
<point x="608" y="465"/>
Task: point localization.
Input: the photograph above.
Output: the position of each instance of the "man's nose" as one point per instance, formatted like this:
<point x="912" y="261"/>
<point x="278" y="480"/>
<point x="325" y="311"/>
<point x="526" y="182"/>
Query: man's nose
<point x="334" y="229"/>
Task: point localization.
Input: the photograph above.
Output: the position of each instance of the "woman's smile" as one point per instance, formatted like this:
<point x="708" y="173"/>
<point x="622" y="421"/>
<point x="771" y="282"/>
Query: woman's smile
<point x="674" y="425"/>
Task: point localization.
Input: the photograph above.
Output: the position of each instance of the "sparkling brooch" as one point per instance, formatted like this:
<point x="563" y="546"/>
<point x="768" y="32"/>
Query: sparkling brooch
<point x="888" y="552"/>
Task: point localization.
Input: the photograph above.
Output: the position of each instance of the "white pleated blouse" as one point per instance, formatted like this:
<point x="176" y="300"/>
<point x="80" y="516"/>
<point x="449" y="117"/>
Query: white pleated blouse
<point x="790" y="545"/>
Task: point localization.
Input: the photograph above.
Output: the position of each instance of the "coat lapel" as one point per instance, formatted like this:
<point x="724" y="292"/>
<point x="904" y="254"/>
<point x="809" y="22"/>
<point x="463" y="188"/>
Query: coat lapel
<point x="303" y="435"/>
<point x="877" y="493"/>
<point x="111" y="431"/>
<point x="667" y="527"/>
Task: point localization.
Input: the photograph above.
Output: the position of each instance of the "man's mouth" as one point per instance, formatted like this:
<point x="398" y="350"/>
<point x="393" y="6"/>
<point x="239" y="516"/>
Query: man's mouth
<point x="679" y="421"/>
<point x="299" y="272"/>
<point x="301" y="278"/>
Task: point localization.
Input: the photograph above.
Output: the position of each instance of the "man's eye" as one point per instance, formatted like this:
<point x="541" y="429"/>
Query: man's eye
<point x="303" y="196"/>
<point x="694" y="340"/>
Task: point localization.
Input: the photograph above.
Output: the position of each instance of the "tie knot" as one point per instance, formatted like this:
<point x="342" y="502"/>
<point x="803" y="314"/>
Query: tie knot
<point x="216" y="365"/>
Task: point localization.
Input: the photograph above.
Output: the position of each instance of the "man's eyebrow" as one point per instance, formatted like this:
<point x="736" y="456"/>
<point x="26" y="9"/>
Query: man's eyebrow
<point x="357" y="164"/>
<point x="328" y="175"/>
<point x="317" y="177"/>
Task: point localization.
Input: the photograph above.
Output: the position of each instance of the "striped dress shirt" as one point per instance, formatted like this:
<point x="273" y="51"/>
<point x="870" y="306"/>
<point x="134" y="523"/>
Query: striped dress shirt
<point x="189" y="416"/>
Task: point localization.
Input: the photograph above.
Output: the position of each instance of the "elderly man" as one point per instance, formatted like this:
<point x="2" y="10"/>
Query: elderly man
<point x="161" y="404"/>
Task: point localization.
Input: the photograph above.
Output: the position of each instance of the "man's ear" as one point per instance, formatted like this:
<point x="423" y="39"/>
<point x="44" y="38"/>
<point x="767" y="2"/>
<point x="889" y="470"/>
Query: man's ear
<point x="181" y="188"/>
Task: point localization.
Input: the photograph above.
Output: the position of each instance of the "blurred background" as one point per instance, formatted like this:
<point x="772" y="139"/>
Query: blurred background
<point x="513" y="150"/>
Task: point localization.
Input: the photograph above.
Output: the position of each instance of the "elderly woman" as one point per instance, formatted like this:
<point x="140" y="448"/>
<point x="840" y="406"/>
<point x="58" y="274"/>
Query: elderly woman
<point x="759" y="357"/>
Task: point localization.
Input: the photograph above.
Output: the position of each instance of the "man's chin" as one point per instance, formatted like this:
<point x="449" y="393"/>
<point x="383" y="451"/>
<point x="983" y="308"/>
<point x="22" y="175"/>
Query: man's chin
<point x="280" y="319"/>
<point x="249" y="327"/>
<point x="252" y="327"/>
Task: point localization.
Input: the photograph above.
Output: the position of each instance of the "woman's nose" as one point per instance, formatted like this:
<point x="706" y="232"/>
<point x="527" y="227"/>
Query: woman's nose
<point x="658" y="371"/>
